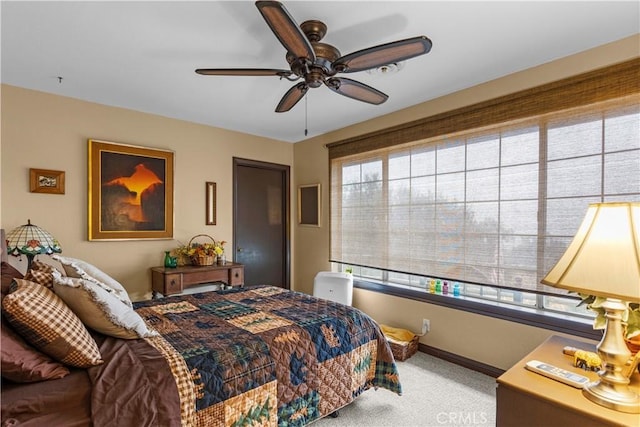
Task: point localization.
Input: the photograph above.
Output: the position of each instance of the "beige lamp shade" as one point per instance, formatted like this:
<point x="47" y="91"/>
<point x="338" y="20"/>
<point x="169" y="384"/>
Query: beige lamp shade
<point x="603" y="258"/>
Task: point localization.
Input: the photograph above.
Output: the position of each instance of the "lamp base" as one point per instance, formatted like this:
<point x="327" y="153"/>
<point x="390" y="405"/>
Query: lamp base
<point x="30" y="258"/>
<point x="624" y="400"/>
<point x="612" y="389"/>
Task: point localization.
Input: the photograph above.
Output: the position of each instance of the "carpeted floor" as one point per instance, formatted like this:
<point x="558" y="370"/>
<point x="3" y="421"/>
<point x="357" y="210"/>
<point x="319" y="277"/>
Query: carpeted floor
<point x="435" y="393"/>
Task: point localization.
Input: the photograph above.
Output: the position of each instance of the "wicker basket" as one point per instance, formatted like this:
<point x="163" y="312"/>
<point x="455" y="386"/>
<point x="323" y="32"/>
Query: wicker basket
<point x="201" y="260"/>
<point x="405" y="349"/>
<point x="204" y="260"/>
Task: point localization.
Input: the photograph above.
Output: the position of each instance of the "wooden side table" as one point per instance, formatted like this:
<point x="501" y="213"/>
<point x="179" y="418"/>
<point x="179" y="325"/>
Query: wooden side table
<point x="171" y="281"/>
<point x="525" y="398"/>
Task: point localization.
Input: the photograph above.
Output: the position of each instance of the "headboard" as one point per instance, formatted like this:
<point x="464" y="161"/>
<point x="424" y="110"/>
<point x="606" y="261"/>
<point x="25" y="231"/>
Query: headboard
<point x="3" y="247"/>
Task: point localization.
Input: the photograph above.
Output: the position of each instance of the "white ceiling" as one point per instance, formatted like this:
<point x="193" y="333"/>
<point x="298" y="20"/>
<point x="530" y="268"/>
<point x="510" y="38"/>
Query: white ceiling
<point x="142" y="55"/>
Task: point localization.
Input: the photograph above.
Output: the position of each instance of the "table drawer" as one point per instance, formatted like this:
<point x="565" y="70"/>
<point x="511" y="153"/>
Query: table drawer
<point x="172" y="284"/>
<point x="208" y="276"/>
<point x="236" y="276"/>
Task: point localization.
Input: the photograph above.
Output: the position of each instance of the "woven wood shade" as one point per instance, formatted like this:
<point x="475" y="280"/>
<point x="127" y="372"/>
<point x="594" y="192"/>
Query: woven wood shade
<point x="599" y="85"/>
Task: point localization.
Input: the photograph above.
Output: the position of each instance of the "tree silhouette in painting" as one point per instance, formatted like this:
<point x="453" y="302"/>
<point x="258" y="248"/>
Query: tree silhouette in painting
<point x="133" y="193"/>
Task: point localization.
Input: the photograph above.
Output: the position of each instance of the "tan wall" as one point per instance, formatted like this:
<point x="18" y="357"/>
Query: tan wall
<point x="46" y="131"/>
<point x="495" y="342"/>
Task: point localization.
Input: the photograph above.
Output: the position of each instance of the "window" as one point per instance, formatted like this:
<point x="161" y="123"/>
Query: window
<point x="489" y="210"/>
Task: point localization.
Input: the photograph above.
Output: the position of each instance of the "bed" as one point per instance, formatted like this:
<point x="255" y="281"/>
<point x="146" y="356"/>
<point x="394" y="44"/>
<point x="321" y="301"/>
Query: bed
<point x="257" y="355"/>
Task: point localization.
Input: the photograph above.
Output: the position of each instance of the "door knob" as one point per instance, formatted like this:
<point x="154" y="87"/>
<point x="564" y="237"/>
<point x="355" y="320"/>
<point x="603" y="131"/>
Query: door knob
<point x="239" y="249"/>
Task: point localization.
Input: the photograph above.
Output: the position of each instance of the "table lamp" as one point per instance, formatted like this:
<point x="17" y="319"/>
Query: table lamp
<point x="603" y="259"/>
<point x="31" y="240"/>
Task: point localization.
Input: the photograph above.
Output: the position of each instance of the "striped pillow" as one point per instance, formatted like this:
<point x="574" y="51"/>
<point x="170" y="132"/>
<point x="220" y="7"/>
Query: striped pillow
<point x="45" y="321"/>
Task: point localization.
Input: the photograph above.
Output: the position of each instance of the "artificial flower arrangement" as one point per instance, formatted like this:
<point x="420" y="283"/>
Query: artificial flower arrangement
<point x="207" y="249"/>
<point x="219" y="248"/>
<point x="200" y="253"/>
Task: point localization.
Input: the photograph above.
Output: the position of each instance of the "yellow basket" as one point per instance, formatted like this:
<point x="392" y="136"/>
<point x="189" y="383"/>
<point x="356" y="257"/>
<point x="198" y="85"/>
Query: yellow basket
<point x="200" y="259"/>
<point x="403" y="343"/>
<point x="404" y="350"/>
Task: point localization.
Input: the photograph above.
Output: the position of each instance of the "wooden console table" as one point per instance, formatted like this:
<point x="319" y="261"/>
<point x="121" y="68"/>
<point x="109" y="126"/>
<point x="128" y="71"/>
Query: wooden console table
<point x="525" y="398"/>
<point x="171" y="281"/>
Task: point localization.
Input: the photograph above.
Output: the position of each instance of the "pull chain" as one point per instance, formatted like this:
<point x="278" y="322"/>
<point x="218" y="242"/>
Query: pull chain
<point x="305" y="116"/>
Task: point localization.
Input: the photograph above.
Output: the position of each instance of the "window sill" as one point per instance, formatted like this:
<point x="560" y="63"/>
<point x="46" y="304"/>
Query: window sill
<point x="525" y="316"/>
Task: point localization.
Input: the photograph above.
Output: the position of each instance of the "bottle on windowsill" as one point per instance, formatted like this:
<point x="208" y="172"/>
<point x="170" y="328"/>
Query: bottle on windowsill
<point x="456" y="289"/>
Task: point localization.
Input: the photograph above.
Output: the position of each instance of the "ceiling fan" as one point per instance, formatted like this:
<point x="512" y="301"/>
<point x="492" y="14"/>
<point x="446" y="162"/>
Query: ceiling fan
<point x="318" y="63"/>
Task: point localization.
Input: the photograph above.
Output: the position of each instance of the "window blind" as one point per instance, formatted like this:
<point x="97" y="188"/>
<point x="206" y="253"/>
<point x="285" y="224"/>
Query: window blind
<point x="496" y="205"/>
<point x="612" y="82"/>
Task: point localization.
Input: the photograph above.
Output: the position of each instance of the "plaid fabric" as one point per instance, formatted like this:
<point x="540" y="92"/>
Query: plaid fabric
<point x="45" y="321"/>
<point x="41" y="273"/>
<point x="386" y="376"/>
<point x="184" y="381"/>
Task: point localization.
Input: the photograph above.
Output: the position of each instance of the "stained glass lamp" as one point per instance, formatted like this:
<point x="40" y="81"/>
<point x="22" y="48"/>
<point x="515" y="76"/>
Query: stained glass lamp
<point x="31" y="240"/>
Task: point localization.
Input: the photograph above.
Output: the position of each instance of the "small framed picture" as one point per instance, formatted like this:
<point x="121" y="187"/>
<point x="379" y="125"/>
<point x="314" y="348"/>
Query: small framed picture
<point x="46" y="181"/>
<point x="210" y="203"/>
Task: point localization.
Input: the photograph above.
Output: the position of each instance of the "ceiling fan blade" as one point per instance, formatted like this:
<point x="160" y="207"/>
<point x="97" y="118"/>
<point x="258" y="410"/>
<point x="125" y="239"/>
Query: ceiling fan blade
<point x="291" y="98"/>
<point x="286" y="29"/>
<point x="243" y="72"/>
<point x="356" y="90"/>
<point x="383" y="54"/>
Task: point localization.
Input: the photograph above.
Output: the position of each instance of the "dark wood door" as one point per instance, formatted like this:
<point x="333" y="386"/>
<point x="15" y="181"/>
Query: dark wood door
<point x="261" y="221"/>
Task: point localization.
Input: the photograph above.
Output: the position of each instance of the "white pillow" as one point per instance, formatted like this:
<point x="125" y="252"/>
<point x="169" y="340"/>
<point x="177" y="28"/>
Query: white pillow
<point x="99" y="309"/>
<point x="82" y="269"/>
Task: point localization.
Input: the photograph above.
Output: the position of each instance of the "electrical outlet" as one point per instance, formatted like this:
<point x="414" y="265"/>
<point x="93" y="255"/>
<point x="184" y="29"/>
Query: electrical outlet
<point x="426" y="325"/>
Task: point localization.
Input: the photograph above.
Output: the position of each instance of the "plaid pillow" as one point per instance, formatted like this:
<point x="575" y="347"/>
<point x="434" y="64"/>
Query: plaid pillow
<point x="41" y="273"/>
<point x="45" y="321"/>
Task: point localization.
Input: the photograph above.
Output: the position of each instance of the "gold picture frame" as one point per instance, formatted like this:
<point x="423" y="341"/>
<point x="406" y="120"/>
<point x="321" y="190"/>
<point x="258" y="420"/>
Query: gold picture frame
<point x="309" y="205"/>
<point x="130" y="192"/>
<point x="210" y="206"/>
<point x="46" y="181"/>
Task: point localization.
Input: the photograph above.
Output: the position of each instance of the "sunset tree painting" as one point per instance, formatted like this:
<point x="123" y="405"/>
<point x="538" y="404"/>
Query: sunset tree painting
<point x="132" y="192"/>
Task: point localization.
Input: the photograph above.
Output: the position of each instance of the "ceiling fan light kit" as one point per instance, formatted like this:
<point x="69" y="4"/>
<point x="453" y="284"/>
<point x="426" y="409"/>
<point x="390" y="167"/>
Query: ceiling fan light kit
<point x="318" y="63"/>
<point x="387" y="69"/>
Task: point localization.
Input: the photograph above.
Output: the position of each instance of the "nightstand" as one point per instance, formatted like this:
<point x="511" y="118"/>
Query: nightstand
<point x="525" y="398"/>
<point x="171" y="281"/>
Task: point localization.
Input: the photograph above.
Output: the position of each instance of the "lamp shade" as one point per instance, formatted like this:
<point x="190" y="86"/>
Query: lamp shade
<point x="603" y="259"/>
<point x="29" y="239"/>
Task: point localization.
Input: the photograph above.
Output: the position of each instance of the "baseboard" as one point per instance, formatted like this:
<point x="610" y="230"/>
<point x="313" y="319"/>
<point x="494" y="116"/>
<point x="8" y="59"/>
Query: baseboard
<point x="462" y="361"/>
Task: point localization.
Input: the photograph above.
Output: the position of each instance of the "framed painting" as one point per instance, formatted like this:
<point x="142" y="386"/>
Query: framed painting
<point x="46" y="181"/>
<point x="210" y="214"/>
<point x="309" y="205"/>
<point x="130" y="192"/>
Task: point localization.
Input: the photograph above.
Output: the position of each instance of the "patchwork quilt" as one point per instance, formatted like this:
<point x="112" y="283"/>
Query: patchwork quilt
<point x="264" y="355"/>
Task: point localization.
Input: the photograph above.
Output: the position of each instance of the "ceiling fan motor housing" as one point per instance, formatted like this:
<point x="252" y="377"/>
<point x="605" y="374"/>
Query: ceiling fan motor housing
<point x="315" y="72"/>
